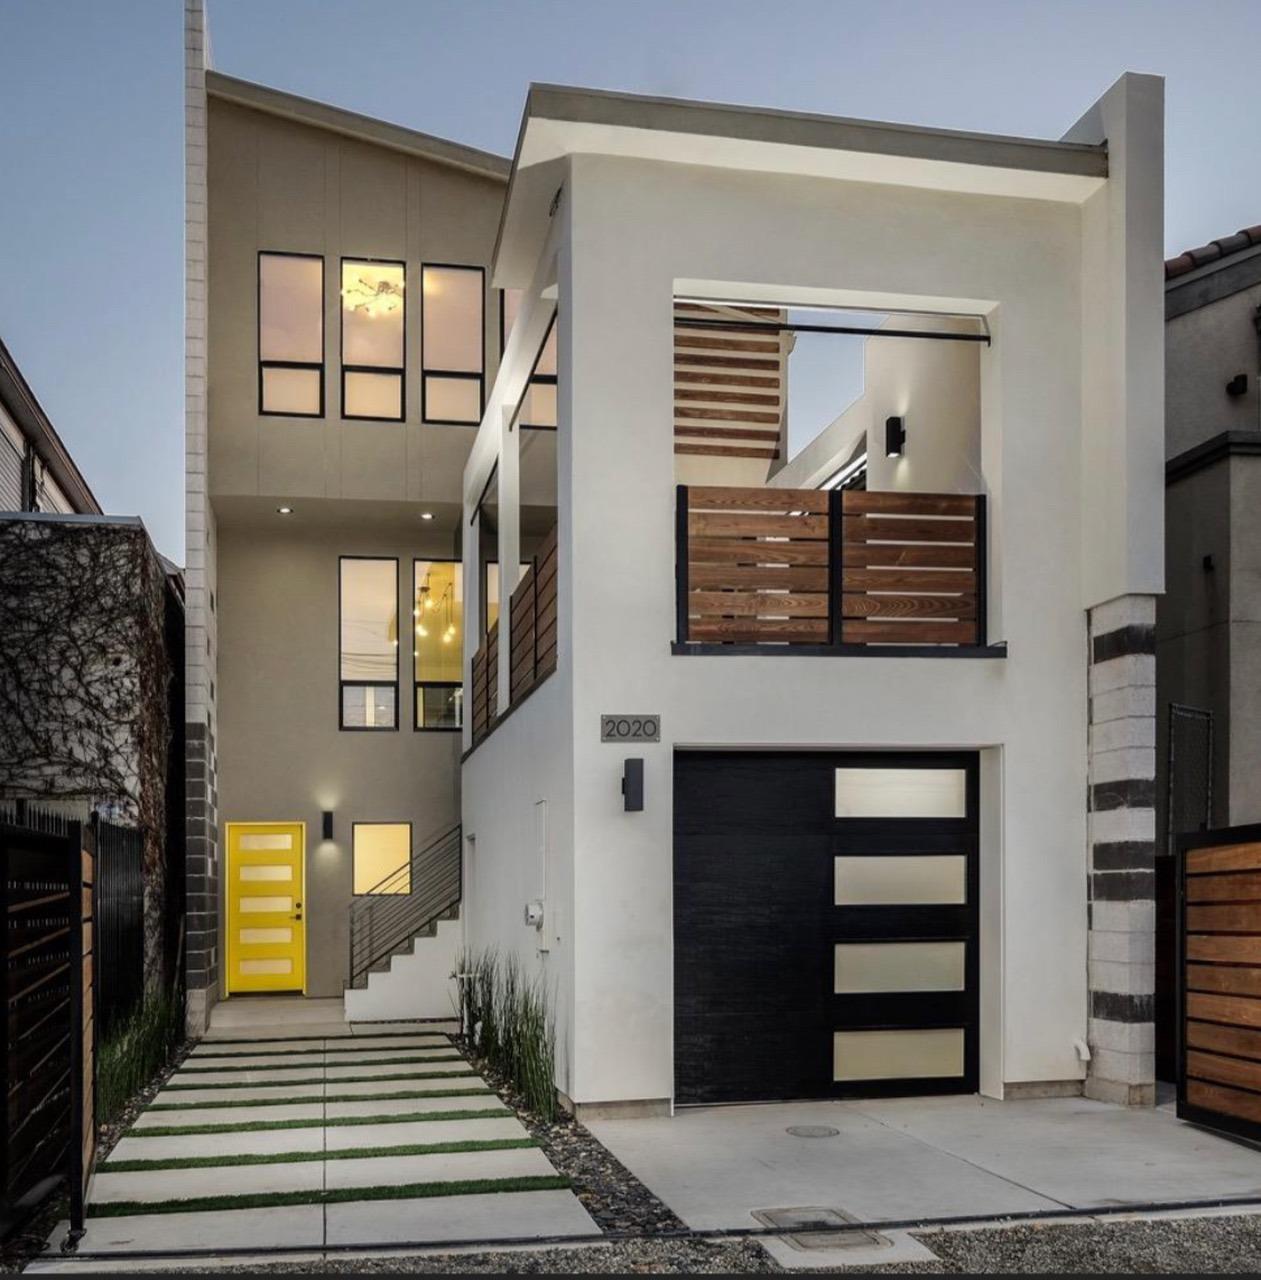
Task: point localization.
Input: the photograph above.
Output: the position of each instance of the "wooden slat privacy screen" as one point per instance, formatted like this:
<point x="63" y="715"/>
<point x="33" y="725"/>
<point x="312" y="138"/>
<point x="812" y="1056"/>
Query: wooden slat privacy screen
<point x="532" y="610"/>
<point x="1220" y="930"/>
<point x="829" y="568"/>
<point x="729" y="384"/>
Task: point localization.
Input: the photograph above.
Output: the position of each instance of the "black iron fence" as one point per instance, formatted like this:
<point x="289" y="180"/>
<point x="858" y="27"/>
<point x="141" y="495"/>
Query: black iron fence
<point x="119" y="920"/>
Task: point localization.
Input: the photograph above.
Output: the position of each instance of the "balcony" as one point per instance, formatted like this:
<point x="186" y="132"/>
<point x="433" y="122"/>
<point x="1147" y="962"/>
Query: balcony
<point x="532" y="631"/>
<point x="831" y="572"/>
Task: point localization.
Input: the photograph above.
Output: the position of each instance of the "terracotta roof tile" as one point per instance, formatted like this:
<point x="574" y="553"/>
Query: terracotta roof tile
<point x="1211" y="252"/>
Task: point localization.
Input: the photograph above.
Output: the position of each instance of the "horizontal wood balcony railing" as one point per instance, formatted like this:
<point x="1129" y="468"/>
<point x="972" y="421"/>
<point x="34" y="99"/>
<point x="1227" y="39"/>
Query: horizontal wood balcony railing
<point x="814" y="570"/>
<point x="532" y="613"/>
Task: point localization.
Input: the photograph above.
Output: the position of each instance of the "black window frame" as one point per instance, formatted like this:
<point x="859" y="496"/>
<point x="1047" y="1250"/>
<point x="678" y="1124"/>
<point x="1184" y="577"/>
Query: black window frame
<point x="463" y="375"/>
<point x="342" y="726"/>
<point x="411" y="851"/>
<point x="400" y="370"/>
<point x="535" y="378"/>
<point x="418" y="684"/>
<point x="258" y="333"/>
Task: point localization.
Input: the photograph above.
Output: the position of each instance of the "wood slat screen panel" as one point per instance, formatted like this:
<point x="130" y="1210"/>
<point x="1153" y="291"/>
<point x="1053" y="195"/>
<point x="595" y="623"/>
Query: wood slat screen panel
<point x="1221" y="953"/>
<point x="757" y="566"/>
<point x="911" y="568"/>
<point x="729" y="385"/>
<point x="545" y="562"/>
<point x="523" y="611"/>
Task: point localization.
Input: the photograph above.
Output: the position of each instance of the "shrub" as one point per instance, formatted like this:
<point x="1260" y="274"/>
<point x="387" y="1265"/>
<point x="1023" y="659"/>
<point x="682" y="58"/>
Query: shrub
<point x="507" y="1019"/>
<point x="135" y="1050"/>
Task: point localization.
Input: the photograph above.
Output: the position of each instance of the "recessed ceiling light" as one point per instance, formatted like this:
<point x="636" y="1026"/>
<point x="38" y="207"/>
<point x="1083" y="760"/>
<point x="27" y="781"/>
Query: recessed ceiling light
<point x="426" y="515"/>
<point x="284" y="511"/>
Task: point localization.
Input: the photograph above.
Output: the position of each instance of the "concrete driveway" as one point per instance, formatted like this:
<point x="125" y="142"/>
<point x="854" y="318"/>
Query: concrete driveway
<point x="924" y="1158"/>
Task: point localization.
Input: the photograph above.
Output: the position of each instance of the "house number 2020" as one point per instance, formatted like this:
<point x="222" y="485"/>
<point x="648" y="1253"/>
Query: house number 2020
<point x="630" y="728"/>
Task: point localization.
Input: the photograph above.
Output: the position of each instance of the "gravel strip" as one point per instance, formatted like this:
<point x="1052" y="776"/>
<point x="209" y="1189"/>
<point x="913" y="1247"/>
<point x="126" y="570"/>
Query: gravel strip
<point x="609" y="1192"/>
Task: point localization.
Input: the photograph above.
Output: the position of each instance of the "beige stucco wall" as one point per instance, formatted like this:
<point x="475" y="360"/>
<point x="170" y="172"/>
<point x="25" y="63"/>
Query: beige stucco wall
<point x="356" y="488"/>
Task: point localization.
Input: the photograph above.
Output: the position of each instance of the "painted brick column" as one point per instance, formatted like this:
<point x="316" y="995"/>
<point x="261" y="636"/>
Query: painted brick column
<point x="201" y="969"/>
<point x="1122" y="826"/>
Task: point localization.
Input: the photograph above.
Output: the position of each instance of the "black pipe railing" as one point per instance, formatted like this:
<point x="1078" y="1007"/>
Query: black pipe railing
<point x="422" y="891"/>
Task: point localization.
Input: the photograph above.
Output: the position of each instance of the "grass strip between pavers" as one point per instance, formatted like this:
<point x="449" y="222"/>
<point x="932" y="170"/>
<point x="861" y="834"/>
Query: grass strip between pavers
<point x="336" y="1195"/>
<point x="338" y="1080"/>
<point x="304" y="1157"/>
<point x="484" y="1091"/>
<point x="284" y="1053"/>
<point x="367" y="1035"/>
<point x="260" y="1126"/>
<point x="375" y="1062"/>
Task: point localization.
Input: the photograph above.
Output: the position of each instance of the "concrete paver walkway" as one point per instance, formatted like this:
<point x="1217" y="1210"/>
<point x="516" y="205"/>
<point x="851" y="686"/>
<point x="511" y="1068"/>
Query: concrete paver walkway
<point x="310" y="1132"/>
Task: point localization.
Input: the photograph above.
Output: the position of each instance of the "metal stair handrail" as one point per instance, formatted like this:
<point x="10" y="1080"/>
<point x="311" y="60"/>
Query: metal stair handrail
<point x="411" y="898"/>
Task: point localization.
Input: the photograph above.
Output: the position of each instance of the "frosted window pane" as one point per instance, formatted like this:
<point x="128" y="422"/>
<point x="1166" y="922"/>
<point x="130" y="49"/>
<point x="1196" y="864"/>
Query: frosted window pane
<point x="265" y="840"/>
<point x="380" y="850"/>
<point x="291" y="308"/>
<point x="897" y="1055"/>
<point x="899" y="966"/>
<point x="368" y="707"/>
<point x="451" y="327"/>
<point x="260" y="967"/>
<point x="913" y="878"/>
<point x="374" y="395"/>
<point x="266" y="873"/>
<point x="373" y="306"/>
<point x="260" y="936"/>
<point x="266" y="904"/>
<point x="291" y="391"/>
<point x="452" y="399"/>
<point x="901" y="793"/>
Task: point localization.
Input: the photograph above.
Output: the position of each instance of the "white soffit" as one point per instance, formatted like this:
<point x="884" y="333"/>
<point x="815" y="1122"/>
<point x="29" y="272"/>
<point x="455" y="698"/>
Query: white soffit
<point x="561" y="121"/>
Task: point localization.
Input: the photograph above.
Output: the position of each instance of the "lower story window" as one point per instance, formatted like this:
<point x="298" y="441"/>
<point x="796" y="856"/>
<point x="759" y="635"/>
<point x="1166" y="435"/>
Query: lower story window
<point x="439" y="706"/>
<point x="382" y="855"/>
<point x="438" y="643"/>
<point x="368" y="606"/>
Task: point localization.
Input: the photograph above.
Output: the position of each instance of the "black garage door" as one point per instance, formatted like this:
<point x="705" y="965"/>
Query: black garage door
<point x="825" y="913"/>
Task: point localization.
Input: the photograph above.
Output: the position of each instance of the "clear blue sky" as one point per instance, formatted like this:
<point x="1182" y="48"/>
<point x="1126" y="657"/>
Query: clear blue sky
<point x="90" y="136"/>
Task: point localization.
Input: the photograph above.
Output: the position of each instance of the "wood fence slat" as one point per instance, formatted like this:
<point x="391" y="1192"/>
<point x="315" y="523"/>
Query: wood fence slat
<point x="908" y="529"/>
<point x="1231" y="857"/>
<point x="758" y="604"/>
<point x="731" y="524"/>
<point x="909" y="633"/>
<point x="890" y="606"/>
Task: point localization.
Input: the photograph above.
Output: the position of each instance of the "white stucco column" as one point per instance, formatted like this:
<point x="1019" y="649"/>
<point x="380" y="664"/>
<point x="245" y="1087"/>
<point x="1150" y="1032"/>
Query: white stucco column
<point x="509" y="547"/>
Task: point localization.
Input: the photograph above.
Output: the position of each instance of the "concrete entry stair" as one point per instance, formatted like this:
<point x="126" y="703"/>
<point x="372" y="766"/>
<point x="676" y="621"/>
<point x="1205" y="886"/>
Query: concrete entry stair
<point x="245" y="1158"/>
<point x="417" y="981"/>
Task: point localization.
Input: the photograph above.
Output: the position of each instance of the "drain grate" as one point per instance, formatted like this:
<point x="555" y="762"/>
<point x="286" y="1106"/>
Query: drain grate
<point x="812" y="1131"/>
<point x="796" y="1225"/>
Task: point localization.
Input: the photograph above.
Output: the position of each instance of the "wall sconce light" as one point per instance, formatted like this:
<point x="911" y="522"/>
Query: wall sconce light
<point x="1238" y="385"/>
<point x="633" y="784"/>
<point x="327" y="819"/>
<point x="894" y="437"/>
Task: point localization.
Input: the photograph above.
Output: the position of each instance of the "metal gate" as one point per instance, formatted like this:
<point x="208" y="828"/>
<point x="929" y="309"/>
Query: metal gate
<point x="1219" y="979"/>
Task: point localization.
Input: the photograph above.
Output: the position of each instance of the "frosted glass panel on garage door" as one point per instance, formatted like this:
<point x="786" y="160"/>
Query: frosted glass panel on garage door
<point x="901" y="880"/>
<point x="868" y="967"/>
<point x="901" y="793"/>
<point x="897" y="1055"/>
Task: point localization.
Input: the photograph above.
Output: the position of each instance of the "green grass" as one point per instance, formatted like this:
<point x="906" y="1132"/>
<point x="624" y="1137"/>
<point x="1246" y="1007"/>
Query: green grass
<point x="260" y="1126"/>
<point x="285" y="1053"/>
<point x="376" y="1062"/>
<point x="135" y="1050"/>
<point x="339" y="1195"/>
<point x="297" y="1102"/>
<point x="337" y="1080"/>
<point x="302" y="1157"/>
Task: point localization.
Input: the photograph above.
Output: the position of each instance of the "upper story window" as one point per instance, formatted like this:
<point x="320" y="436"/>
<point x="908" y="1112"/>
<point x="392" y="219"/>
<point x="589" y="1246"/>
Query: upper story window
<point x="374" y="324"/>
<point x="291" y="334"/>
<point x="368" y="672"/>
<point x="438" y="643"/>
<point x="538" y="408"/>
<point x="453" y="348"/>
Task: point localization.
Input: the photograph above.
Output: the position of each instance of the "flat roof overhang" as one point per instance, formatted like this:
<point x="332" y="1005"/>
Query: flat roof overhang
<point x="561" y="121"/>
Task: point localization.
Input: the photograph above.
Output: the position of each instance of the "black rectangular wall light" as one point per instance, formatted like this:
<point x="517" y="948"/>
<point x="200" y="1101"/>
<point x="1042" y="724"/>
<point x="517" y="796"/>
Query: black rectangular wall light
<point x="894" y="437"/>
<point x="633" y="784"/>
<point x="327" y="819"/>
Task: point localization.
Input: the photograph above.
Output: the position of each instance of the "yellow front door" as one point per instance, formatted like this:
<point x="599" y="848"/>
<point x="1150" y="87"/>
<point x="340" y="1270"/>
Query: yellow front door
<point x="266" y="934"/>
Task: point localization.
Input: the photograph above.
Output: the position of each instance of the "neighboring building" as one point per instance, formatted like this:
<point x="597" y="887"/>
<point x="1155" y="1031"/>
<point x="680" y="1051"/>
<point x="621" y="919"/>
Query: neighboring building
<point x="37" y="473"/>
<point x="91" y="656"/>
<point x="802" y="737"/>
<point x="1209" y="624"/>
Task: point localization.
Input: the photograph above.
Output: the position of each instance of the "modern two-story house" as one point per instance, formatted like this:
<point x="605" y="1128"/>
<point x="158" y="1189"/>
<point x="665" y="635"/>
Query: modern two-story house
<point x="711" y="558"/>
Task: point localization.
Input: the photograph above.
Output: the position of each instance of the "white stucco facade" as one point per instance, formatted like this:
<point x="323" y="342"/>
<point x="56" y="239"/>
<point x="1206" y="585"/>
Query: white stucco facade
<point x="1069" y="459"/>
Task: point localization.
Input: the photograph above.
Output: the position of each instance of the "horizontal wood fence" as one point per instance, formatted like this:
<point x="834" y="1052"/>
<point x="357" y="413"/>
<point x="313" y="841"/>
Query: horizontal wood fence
<point x="532" y="614"/>
<point x="1219" y="910"/>
<point x="841" y="570"/>
<point x="48" y="1134"/>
